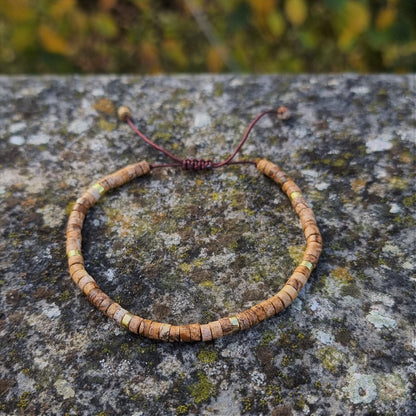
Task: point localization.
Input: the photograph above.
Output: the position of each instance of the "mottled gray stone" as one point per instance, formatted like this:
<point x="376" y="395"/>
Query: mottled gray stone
<point x="183" y="247"/>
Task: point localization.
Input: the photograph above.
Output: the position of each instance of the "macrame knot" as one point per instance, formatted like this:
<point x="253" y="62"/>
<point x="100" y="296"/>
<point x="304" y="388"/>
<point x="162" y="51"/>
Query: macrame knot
<point x="197" y="164"/>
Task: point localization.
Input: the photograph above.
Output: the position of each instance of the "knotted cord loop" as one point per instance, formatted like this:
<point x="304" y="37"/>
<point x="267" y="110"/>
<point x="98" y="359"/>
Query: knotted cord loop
<point x="197" y="164"/>
<point x="200" y="164"/>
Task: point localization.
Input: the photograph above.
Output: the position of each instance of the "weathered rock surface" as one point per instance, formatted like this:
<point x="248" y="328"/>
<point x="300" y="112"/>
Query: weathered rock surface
<point x="181" y="247"/>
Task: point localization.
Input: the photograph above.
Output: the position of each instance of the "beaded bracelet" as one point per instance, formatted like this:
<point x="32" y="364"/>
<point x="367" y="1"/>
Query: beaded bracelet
<point x="196" y="331"/>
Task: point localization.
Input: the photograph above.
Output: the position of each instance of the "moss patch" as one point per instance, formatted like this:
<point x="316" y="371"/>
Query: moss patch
<point x="207" y="356"/>
<point x="203" y="390"/>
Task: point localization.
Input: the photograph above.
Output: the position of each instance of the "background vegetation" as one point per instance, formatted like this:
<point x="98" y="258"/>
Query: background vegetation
<point x="257" y="36"/>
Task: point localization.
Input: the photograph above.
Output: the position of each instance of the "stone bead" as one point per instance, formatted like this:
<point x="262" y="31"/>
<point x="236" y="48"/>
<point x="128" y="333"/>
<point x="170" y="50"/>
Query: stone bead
<point x="243" y="320"/>
<point x="134" y="324"/>
<point x="89" y="286"/>
<point x="216" y="329"/>
<point x="277" y="303"/>
<point x="268" y="308"/>
<point x="164" y="332"/>
<point x="259" y="311"/>
<point x="206" y="334"/>
<point x="284" y="297"/>
<point x="174" y="335"/>
<point x="291" y="291"/>
<point x="112" y="309"/>
<point x="123" y="113"/>
<point x="226" y="325"/>
<point x="185" y="333"/>
<point x="145" y="327"/>
<point x="195" y="330"/>
<point x="154" y="330"/>
<point x="119" y="315"/>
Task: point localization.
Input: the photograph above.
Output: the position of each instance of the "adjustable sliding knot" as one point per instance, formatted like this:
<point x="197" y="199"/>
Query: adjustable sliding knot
<point x="124" y="114"/>
<point x="197" y="164"/>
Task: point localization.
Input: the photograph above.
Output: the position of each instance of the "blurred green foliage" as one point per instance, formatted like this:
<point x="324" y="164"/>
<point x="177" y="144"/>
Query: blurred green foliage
<point x="257" y="36"/>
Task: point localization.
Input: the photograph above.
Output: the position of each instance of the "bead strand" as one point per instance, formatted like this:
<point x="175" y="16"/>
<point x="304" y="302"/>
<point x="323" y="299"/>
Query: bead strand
<point x="191" y="332"/>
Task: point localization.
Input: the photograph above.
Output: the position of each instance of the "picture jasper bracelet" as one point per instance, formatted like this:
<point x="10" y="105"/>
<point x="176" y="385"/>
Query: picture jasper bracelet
<point x="196" y="331"/>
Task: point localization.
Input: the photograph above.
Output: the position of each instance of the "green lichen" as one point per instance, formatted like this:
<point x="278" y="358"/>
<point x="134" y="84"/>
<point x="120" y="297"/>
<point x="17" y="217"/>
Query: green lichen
<point x="24" y="400"/>
<point x="342" y="274"/>
<point x="275" y="393"/>
<point x="182" y="409"/>
<point x="409" y="201"/>
<point x="247" y="404"/>
<point x="207" y="283"/>
<point x="331" y="358"/>
<point x="268" y="336"/>
<point x="203" y="390"/>
<point x="65" y="295"/>
<point x="207" y="356"/>
<point x="296" y="253"/>
<point x="198" y="262"/>
<point x="68" y="208"/>
<point x="185" y="267"/>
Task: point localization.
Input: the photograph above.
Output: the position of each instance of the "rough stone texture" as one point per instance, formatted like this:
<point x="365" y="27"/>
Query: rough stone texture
<point x="182" y="247"/>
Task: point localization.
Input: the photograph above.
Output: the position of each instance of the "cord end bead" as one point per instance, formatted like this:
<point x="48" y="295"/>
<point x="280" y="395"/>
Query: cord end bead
<point x="123" y="112"/>
<point x="283" y="113"/>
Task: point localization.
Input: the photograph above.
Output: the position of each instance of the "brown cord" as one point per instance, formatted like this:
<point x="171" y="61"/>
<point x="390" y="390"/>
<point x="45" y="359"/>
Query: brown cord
<point x="197" y="164"/>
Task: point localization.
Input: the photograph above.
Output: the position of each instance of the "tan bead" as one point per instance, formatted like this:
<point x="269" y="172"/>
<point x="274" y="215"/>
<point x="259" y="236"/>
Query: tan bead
<point x="99" y="298"/>
<point x="154" y="330"/>
<point x="73" y="244"/>
<point x="184" y="333"/>
<point x="297" y="280"/>
<point x="315" y="238"/>
<point x="310" y="258"/>
<point x="259" y="311"/>
<point x="299" y="208"/>
<point x="119" y="315"/>
<point x="145" y="327"/>
<point x="134" y="324"/>
<point x="280" y="178"/>
<point x="226" y="325"/>
<point x="243" y="320"/>
<point x="79" y="274"/>
<point x="310" y="230"/>
<point x="89" y="286"/>
<point x="206" y="334"/>
<point x="252" y="316"/>
<point x="195" y="330"/>
<point x="84" y="280"/>
<point x="291" y="291"/>
<point x="277" y="303"/>
<point x="164" y="332"/>
<point x="93" y="294"/>
<point x="112" y="309"/>
<point x="268" y="308"/>
<point x="75" y="267"/>
<point x="75" y="260"/>
<point x="105" y="304"/>
<point x="289" y="187"/>
<point x="80" y="208"/>
<point x="123" y="113"/>
<point x="74" y="234"/>
<point x="216" y="329"/>
<point x="302" y="269"/>
<point x="142" y="168"/>
<point x="88" y="199"/>
<point x="284" y="297"/>
<point x="174" y="335"/>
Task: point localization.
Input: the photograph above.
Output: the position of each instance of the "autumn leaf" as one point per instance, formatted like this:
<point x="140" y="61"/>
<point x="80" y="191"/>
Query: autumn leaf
<point x="52" y="41"/>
